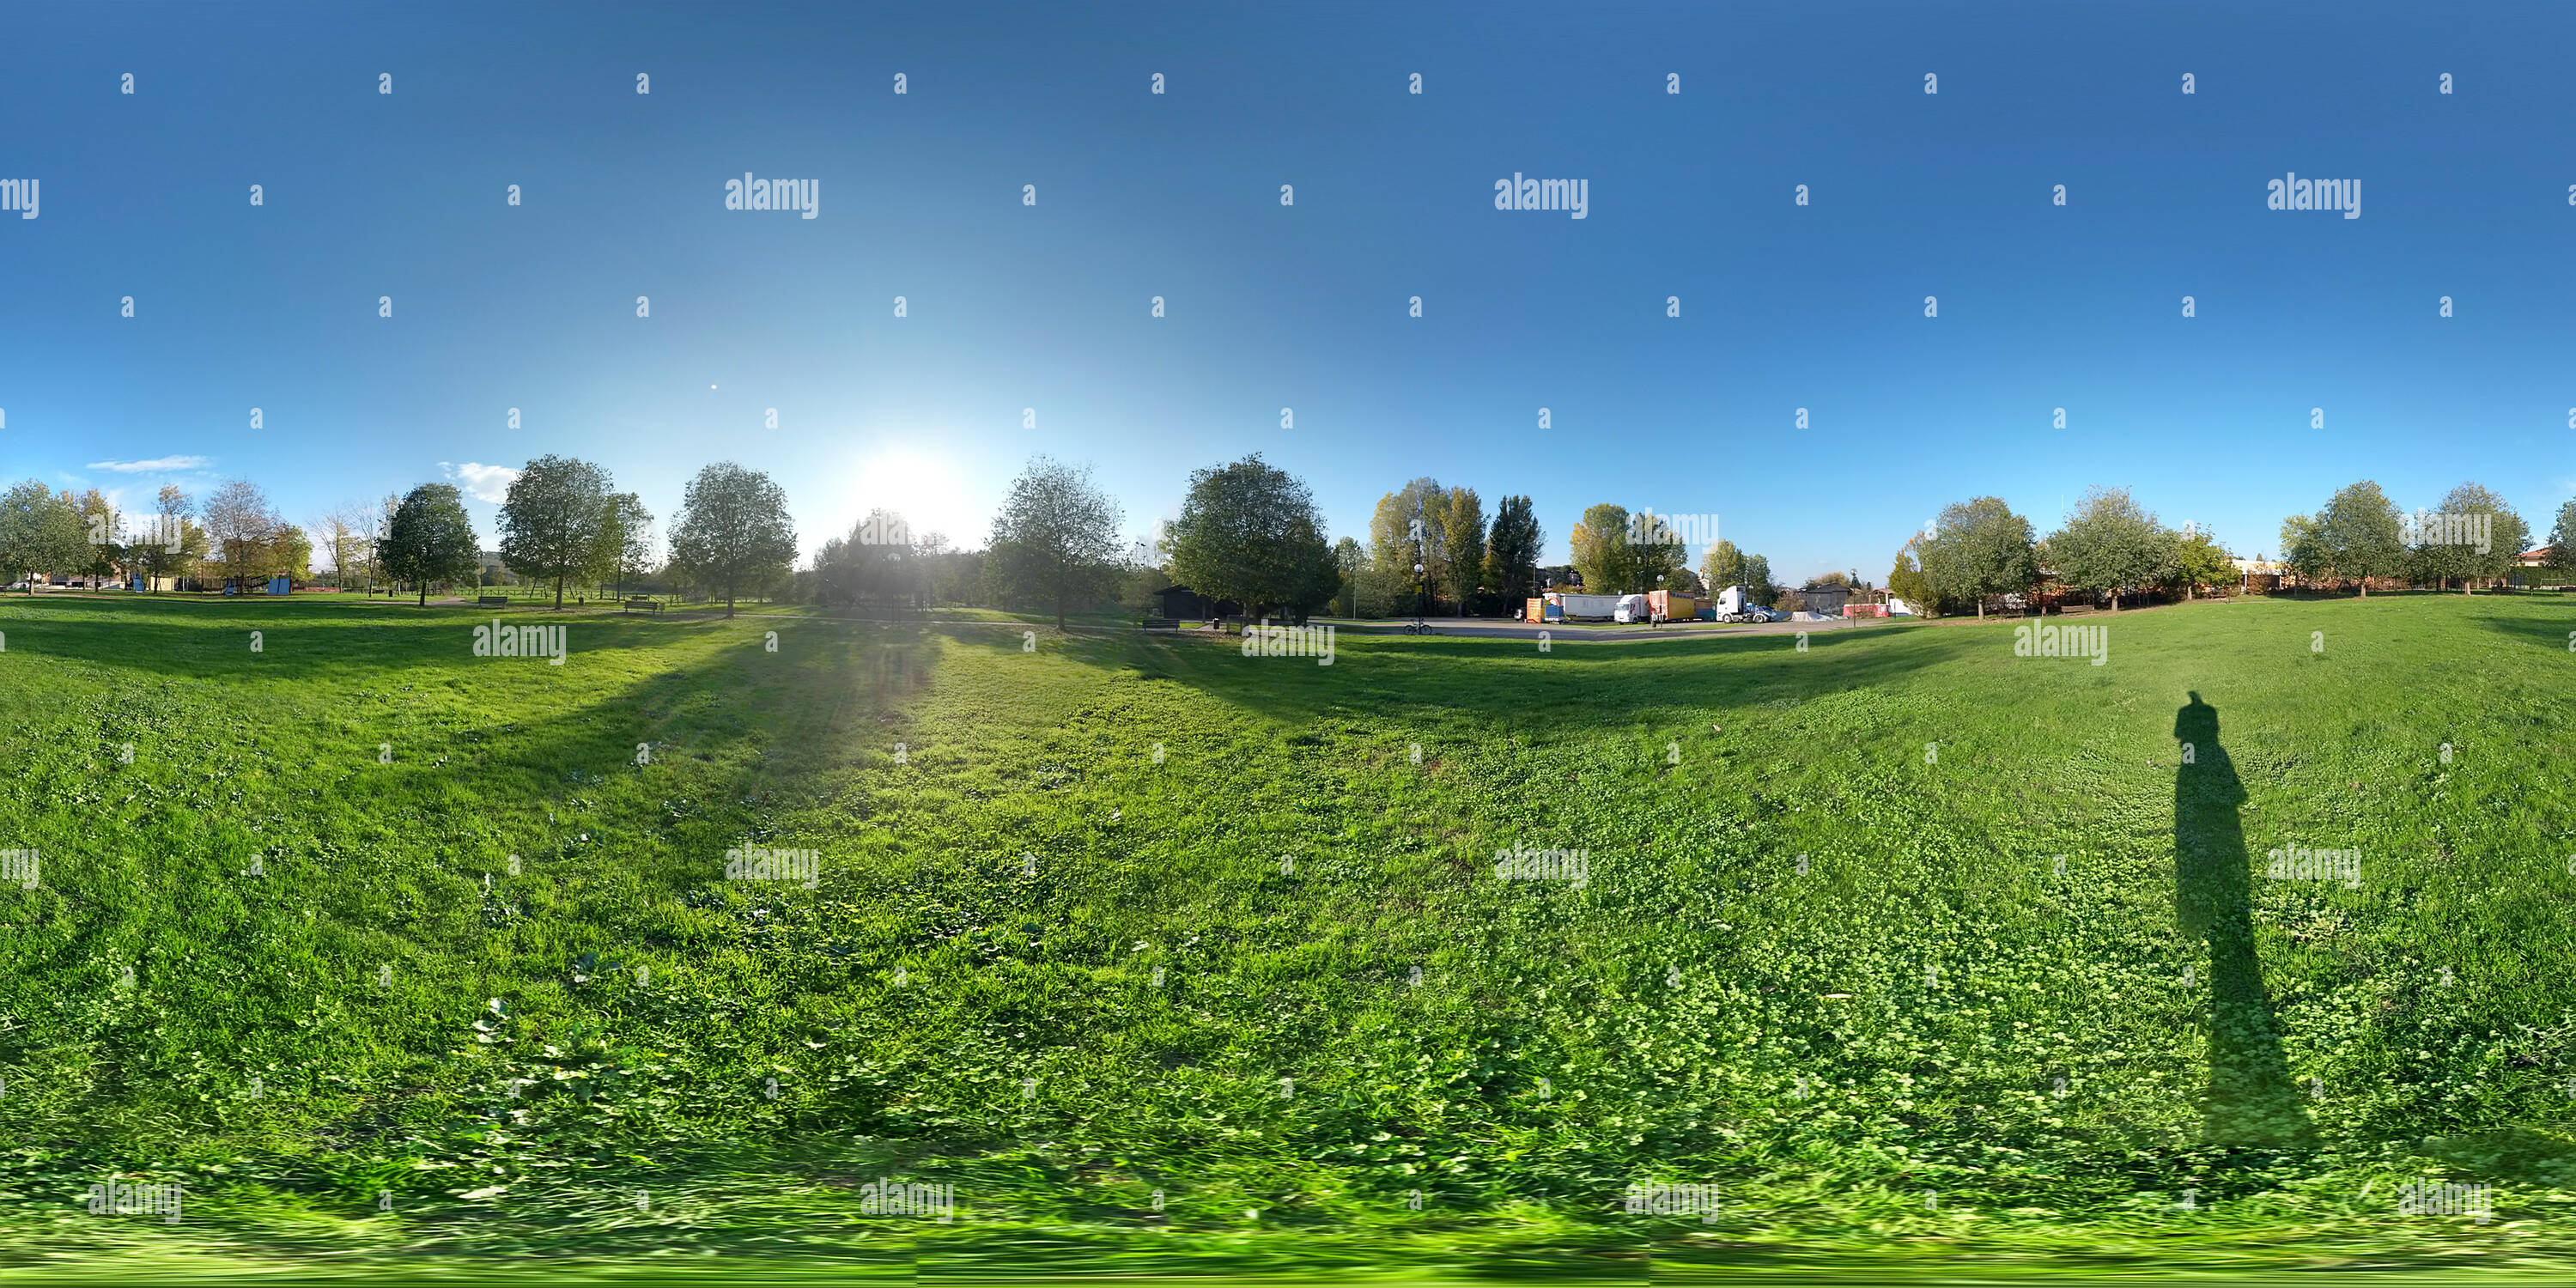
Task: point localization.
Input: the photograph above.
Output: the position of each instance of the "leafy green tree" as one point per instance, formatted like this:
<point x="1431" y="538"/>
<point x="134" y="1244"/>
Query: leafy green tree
<point x="290" y="554"/>
<point x="378" y="522"/>
<point x="1143" y="581"/>
<point x="177" y="543"/>
<point x="1978" y="548"/>
<point x="1249" y="532"/>
<point x="1056" y="539"/>
<point x="1907" y="582"/>
<point x="102" y="536"/>
<point x="2562" y="540"/>
<point x="733" y="533"/>
<point x="40" y="531"/>
<point x="871" y="564"/>
<point x="625" y="549"/>
<point x="1657" y="552"/>
<point x="2430" y="559"/>
<point x="243" y="529"/>
<point x="2446" y="549"/>
<point x="2301" y="549"/>
<point x="429" y="539"/>
<point x="1349" y="561"/>
<point x="1603" y="555"/>
<point x="2512" y="534"/>
<point x="1406" y="530"/>
<point x="1462" y="538"/>
<point x="2110" y="543"/>
<point x="552" y="521"/>
<point x="1722" y="565"/>
<point x="2361" y="535"/>
<point x="1757" y="581"/>
<point x="1512" y="550"/>
<point x="2199" y="561"/>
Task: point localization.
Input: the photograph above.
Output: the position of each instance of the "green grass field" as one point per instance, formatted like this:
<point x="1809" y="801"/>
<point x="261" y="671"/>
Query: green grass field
<point x="1924" y="955"/>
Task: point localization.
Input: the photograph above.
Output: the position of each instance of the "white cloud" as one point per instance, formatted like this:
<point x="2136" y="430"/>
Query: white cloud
<point x="483" y="482"/>
<point x="157" y="465"/>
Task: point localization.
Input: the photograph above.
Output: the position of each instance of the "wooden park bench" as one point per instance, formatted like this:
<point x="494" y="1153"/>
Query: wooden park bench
<point x="492" y="601"/>
<point x="643" y="605"/>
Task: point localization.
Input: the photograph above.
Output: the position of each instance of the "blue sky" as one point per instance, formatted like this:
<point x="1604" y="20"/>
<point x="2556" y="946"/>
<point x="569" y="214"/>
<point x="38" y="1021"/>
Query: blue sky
<point x="1047" y="307"/>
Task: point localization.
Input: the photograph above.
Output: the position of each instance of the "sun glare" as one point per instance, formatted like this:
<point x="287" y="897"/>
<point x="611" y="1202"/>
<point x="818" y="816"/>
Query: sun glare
<point x="926" y="488"/>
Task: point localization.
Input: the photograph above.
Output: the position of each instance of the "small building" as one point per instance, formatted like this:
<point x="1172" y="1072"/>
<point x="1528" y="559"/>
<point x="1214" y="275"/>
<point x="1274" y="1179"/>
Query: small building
<point x="2260" y="576"/>
<point x="1827" y="599"/>
<point x="1182" y="604"/>
<point x="2534" y="558"/>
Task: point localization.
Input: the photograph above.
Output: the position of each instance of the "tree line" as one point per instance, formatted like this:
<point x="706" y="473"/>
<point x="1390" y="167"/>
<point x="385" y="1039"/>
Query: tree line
<point x="1250" y="533"/>
<point x="2112" y="548"/>
<point x="2359" y="536"/>
<point x="1247" y="532"/>
<point x="49" y="532"/>
<point x="562" y="524"/>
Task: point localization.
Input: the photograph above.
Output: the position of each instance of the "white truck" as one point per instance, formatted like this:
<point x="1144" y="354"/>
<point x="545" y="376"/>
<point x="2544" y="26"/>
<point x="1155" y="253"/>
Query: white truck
<point x="1735" y="604"/>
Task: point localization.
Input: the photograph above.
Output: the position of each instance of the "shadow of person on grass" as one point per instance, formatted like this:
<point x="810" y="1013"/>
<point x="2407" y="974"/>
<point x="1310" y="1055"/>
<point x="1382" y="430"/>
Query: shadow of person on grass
<point x="2251" y="1100"/>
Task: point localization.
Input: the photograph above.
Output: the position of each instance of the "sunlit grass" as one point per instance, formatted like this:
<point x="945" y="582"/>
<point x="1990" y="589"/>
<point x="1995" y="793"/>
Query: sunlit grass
<point x="1839" y="865"/>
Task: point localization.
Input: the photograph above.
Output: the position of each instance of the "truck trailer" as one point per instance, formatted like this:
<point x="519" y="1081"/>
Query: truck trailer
<point x="1580" y="607"/>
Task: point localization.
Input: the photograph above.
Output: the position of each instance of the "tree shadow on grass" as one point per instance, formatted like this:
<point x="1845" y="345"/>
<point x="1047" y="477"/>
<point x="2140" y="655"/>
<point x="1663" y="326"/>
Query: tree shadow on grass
<point x="2251" y="1100"/>
<point x="298" y="640"/>
<point x="587" y="851"/>
<point x="1509" y="684"/>
<point x="2550" y="632"/>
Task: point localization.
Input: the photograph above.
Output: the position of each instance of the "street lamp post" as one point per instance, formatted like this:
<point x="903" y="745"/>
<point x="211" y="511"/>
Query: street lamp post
<point x="1421" y="556"/>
